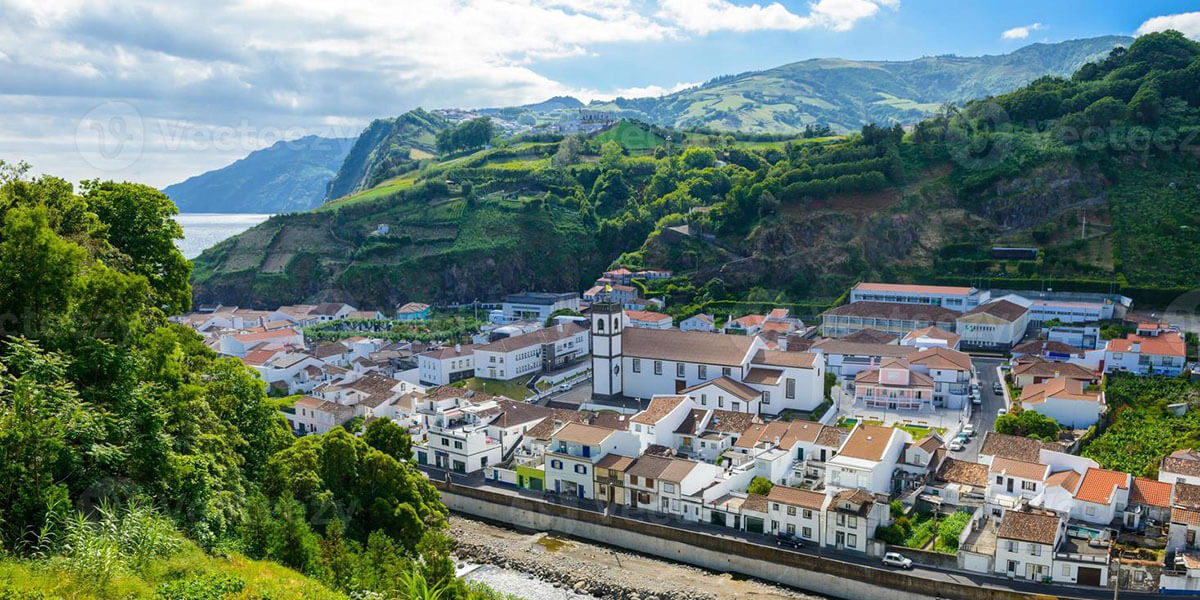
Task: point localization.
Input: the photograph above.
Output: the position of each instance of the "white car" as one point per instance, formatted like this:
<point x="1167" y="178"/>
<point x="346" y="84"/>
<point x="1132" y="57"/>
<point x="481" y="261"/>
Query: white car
<point x="894" y="559"/>
<point x="1002" y="412"/>
<point x="969" y="429"/>
<point x="564" y="387"/>
<point x="957" y="446"/>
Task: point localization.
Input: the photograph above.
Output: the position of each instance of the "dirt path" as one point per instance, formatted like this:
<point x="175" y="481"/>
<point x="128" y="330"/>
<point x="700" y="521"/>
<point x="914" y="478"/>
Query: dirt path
<point x="602" y="571"/>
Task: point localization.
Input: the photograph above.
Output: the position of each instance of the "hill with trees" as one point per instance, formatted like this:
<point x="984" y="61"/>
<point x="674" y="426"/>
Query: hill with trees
<point x="289" y="176"/>
<point x="775" y="219"/>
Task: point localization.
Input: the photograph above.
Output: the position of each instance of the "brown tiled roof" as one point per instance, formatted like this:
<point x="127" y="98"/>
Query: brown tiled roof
<point x="854" y="496"/>
<point x="649" y="465"/>
<point x="1164" y="344"/>
<point x="691" y="422"/>
<point x="519" y="413"/>
<point x="929" y="443"/>
<point x="1067" y="480"/>
<point x="763" y="376"/>
<point x="1004" y="309"/>
<point x="1183" y="462"/>
<point x="962" y="472"/>
<point x="330" y="349"/>
<point x="546" y="335"/>
<point x="660" y="406"/>
<point x="787" y="432"/>
<point x="412" y="307"/>
<point x="582" y="434"/>
<point x="870" y="336"/>
<point x="1029" y="527"/>
<point x="1019" y="468"/>
<point x="1185" y="516"/>
<point x="895" y="310"/>
<point x="616" y="462"/>
<point x="796" y="497"/>
<point x="868" y="442"/>
<point x="1187" y="496"/>
<point x="1150" y="492"/>
<point x="327" y="308"/>
<point x="1059" y="387"/>
<point x="727" y="421"/>
<point x="933" y="332"/>
<point x="776" y="358"/>
<point x="1012" y="446"/>
<point x="755" y="502"/>
<point x="831" y="437"/>
<point x="700" y="347"/>
<point x="736" y="388"/>
<point x="941" y="358"/>
<point x="838" y="346"/>
<point x="1099" y="485"/>
<point x="1036" y="366"/>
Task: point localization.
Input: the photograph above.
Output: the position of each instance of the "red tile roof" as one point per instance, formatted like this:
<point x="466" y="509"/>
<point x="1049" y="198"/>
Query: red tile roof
<point x="1150" y="492"/>
<point x="1164" y="344"/>
<point x="1099" y="485"/>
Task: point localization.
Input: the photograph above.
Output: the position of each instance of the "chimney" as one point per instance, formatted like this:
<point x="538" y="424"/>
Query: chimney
<point x="458" y="348"/>
<point x="560" y="327"/>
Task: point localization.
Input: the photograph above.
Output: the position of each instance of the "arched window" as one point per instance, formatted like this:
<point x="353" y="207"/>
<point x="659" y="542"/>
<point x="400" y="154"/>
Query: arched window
<point x="599" y="324"/>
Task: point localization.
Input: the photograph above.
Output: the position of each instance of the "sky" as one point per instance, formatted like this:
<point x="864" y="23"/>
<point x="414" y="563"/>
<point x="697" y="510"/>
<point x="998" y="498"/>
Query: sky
<point x="155" y="92"/>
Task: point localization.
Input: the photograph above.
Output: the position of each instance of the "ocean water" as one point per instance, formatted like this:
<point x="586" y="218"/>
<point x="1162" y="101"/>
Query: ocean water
<point x="203" y="230"/>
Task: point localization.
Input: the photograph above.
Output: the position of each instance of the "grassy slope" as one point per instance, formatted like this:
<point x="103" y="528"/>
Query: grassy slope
<point x="261" y="578"/>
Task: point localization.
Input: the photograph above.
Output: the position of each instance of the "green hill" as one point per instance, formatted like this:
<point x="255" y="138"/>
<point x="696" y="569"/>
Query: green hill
<point x="847" y="94"/>
<point x="772" y="219"/>
<point x="387" y="147"/>
<point x="289" y="176"/>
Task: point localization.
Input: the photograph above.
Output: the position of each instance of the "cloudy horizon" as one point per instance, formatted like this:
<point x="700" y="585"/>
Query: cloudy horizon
<point x="193" y="87"/>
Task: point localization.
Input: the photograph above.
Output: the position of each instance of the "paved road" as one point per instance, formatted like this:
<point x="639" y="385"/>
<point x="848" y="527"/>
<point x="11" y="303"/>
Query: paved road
<point x="983" y="416"/>
<point x="572" y="398"/>
<point x="961" y="577"/>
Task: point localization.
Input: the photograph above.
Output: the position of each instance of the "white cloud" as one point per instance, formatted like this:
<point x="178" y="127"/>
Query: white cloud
<point x="293" y="67"/>
<point x="1020" y="33"/>
<point x="1186" y="23"/>
<point x="706" y="16"/>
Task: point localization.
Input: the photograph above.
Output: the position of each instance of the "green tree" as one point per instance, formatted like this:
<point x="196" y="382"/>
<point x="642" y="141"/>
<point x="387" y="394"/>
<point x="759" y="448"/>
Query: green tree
<point x="760" y="485"/>
<point x="37" y="271"/>
<point x="1028" y="423"/>
<point x="388" y="437"/>
<point x="698" y="158"/>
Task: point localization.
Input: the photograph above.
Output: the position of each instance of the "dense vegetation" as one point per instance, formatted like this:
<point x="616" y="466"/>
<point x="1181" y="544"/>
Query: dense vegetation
<point x="1142" y="430"/>
<point x="131" y="449"/>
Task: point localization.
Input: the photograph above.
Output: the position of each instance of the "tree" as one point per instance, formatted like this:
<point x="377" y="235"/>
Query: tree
<point x="698" y="158"/>
<point x="386" y="436"/>
<point x="567" y="153"/>
<point x="37" y="269"/>
<point x="468" y="135"/>
<point x="1028" y="423"/>
<point x="760" y="485"/>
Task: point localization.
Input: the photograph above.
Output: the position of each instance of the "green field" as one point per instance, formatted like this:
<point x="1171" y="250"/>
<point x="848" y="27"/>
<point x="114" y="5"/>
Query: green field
<point x="630" y="135"/>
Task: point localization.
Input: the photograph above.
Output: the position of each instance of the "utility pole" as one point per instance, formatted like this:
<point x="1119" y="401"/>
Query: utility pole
<point x="1117" y="584"/>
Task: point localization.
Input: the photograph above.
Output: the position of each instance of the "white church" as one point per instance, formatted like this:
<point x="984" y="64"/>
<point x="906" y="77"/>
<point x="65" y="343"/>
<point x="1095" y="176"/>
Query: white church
<point x="728" y="372"/>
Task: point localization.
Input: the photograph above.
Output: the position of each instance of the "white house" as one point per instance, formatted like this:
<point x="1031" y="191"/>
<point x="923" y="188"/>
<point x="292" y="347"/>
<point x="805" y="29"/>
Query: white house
<point x="1066" y="400"/>
<point x="952" y="297"/>
<point x="1102" y="496"/>
<point x="867" y="459"/>
<point x="725" y="393"/>
<point x="316" y="416"/>
<point x="656" y="424"/>
<point x="537" y="306"/>
<point x="851" y="518"/>
<point x="1025" y="543"/>
<point x="930" y="337"/>
<point x="446" y="365"/>
<point x="700" y="322"/>
<point x="311" y="314"/>
<point x="747" y="325"/>
<point x="239" y="343"/>
<point x="573" y="452"/>
<point x="846" y="358"/>
<point x="796" y="512"/>
<point x="997" y="325"/>
<point x="1012" y="482"/>
<point x="951" y="372"/>
<point x="890" y="317"/>
<point x="893" y="386"/>
<point x="297" y="371"/>
<point x="541" y="350"/>
<point x="648" y="319"/>
<point x="660" y="484"/>
<point x="1181" y="466"/>
<point x="1156" y="352"/>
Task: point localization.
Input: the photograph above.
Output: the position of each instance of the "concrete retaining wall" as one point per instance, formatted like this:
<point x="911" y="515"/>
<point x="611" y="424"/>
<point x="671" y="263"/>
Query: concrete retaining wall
<point x="822" y="575"/>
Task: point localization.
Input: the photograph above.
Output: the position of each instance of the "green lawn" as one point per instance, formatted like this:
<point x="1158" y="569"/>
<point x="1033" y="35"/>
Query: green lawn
<point x="630" y="136"/>
<point x="514" y="389"/>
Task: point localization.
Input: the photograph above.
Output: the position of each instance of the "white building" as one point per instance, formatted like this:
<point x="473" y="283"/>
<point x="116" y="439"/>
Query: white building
<point x="446" y="365"/>
<point x="1025" y="544"/>
<point x="1155" y="352"/>
<point x="316" y="416"/>
<point x="930" y="337"/>
<point x="541" y="350"/>
<point x="851" y="518"/>
<point x="997" y="325"/>
<point x="537" y="306"/>
<point x="951" y="372"/>
<point x="867" y="459"/>
<point x="700" y="322"/>
<point x="648" y="319"/>
<point x="796" y="512"/>
<point x="573" y="452"/>
<point x="1066" y="400"/>
<point x="846" y="359"/>
<point x="954" y="298"/>
<point x="239" y="343"/>
<point x="305" y="315"/>
<point x="1181" y="466"/>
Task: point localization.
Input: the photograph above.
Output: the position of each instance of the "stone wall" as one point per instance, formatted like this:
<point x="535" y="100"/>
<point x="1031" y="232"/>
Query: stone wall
<point x="823" y="575"/>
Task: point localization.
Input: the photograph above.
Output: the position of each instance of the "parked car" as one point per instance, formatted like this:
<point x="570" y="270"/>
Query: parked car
<point x="895" y="559"/>
<point x="968" y="429"/>
<point x="956" y="445"/>
<point x="1002" y="412"/>
<point x="786" y="540"/>
<point x="996" y="389"/>
<point x="566" y="387"/>
<point x="975" y="399"/>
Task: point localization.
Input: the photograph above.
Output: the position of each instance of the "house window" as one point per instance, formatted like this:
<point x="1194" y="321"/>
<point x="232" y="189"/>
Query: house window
<point x="658" y="367"/>
<point x="774" y="507"/>
<point x="703" y="399"/>
<point x="637" y="365"/>
<point x="1035" y="550"/>
<point x="702" y="371"/>
<point x="581" y="469"/>
<point x="841" y="519"/>
<point x="556" y="464"/>
<point x="1011" y="546"/>
<point x="1090" y="511"/>
<point x="1066" y="570"/>
<point x="720" y="401"/>
<point x="736" y="406"/>
<point x="807" y="514"/>
<point x="445" y="442"/>
<point x="852" y="540"/>
<point x="791" y="511"/>
<point x="679" y="370"/>
<point x="1029" y="485"/>
<point x="853" y="522"/>
<point x="791" y="529"/>
<point x="790" y="392"/>
<point x="999" y="480"/>
<point x="457" y="445"/>
<point x="726" y="371"/>
<point x="669" y="488"/>
<point x="807" y="532"/>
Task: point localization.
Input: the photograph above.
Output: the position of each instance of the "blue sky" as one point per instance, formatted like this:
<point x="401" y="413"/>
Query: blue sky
<point x="155" y="92"/>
